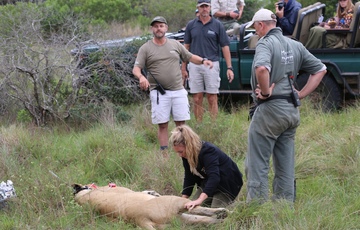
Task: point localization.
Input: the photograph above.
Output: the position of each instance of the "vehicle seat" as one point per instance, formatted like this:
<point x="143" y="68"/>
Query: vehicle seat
<point x="307" y="16"/>
<point x="353" y="38"/>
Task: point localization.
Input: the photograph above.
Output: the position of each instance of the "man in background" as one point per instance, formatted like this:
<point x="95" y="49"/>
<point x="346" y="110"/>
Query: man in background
<point x="204" y="36"/>
<point x="228" y="12"/>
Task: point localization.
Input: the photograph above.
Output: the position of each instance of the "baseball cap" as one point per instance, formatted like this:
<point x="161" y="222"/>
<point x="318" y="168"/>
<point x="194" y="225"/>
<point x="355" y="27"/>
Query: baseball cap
<point x="262" y="15"/>
<point x="203" y="2"/>
<point x="158" y="19"/>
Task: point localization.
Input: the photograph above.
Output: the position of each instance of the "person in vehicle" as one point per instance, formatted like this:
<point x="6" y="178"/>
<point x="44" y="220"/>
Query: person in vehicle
<point x="286" y="12"/>
<point x="342" y="19"/>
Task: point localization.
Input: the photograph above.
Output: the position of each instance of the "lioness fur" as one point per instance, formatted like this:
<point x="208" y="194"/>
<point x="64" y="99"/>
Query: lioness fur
<point x="145" y="210"/>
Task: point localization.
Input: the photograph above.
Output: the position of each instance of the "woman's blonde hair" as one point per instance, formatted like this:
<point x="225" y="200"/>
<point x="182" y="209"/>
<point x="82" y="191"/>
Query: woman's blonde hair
<point x="184" y="135"/>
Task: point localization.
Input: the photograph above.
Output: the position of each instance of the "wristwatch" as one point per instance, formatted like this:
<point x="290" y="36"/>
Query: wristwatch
<point x="230" y="68"/>
<point x="265" y="95"/>
<point x="204" y="59"/>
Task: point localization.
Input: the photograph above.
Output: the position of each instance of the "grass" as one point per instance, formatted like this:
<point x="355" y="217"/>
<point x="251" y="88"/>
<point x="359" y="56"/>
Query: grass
<point x="43" y="162"/>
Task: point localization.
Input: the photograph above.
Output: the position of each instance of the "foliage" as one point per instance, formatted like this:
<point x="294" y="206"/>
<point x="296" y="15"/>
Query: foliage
<point x="23" y="116"/>
<point x="251" y="6"/>
<point x="35" y="67"/>
<point x="99" y="11"/>
<point x="177" y="13"/>
<point x="106" y="74"/>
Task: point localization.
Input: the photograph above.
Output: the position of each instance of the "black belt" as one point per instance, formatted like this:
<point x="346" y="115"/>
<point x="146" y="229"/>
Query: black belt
<point x="225" y="18"/>
<point x="288" y="98"/>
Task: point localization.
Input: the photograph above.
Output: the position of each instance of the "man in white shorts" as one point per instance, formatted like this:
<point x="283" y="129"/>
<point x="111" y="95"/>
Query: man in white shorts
<point x="161" y="57"/>
<point x="205" y="36"/>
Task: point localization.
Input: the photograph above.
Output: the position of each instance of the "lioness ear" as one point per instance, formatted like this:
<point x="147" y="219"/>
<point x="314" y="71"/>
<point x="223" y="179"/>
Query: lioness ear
<point x="77" y="188"/>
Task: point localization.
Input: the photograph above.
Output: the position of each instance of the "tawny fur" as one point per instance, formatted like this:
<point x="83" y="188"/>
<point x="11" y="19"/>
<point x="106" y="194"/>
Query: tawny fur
<point x="146" y="211"/>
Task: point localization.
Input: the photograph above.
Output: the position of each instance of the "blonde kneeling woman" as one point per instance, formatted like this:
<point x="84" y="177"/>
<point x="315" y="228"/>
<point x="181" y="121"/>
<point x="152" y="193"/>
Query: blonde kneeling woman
<point x="216" y="175"/>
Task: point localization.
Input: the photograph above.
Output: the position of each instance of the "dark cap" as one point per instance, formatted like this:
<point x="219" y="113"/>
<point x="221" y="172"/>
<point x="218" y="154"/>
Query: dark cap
<point x="203" y="2"/>
<point x="158" y="19"/>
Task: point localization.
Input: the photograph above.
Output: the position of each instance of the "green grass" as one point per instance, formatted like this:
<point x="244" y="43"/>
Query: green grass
<point x="43" y="162"/>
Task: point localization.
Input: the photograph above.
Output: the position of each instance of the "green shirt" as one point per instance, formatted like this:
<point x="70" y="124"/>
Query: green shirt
<point x="282" y="56"/>
<point x="163" y="62"/>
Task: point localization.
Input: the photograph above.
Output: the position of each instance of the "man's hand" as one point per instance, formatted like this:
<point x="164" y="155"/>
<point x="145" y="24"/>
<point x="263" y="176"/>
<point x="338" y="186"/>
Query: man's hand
<point x="234" y="15"/>
<point x="279" y="13"/>
<point x="259" y="94"/>
<point x="208" y="63"/>
<point x="184" y="72"/>
<point x="144" y="83"/>
<point x="230" y="75"/>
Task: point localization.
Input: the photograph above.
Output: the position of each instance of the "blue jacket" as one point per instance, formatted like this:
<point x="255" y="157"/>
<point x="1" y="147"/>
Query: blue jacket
<point x="287" y="23"/>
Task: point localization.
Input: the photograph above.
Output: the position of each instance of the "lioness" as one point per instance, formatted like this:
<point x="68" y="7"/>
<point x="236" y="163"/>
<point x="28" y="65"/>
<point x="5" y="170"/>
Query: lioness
<point x="145" y="210"/>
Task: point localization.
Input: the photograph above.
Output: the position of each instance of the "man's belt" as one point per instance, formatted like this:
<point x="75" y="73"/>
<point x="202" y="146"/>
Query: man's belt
<point x="288" y="98"/>
<point x="225" y="18"/>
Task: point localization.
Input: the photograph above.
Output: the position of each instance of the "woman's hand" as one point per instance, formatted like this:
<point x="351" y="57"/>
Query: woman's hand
<point x="192" y="204"/>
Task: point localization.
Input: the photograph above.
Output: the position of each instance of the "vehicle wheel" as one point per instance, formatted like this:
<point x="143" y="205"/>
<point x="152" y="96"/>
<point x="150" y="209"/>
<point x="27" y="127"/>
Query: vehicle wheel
<point x="327" y="96"/>
<point x="301" y="81"/>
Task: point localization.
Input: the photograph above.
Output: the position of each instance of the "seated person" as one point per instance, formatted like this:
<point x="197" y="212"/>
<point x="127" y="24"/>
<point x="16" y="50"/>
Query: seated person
<point x="228" y="12"/>
<point x="286" y="12"/>
<point x="342" y="19"/>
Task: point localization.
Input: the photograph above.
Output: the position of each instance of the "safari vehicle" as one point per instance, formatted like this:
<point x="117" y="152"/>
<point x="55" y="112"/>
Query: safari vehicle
<point x="342" y="80"/>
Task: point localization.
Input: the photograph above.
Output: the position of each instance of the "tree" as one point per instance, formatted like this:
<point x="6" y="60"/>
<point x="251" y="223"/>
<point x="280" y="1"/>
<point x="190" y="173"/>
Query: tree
<point x="36" y="68"/>
<point x="99" y="11"/>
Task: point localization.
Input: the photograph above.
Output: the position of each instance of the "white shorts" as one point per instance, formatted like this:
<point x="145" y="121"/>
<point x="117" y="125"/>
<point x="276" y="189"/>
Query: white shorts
<point x="203" y="79"/>
<point x="175" y="103"/>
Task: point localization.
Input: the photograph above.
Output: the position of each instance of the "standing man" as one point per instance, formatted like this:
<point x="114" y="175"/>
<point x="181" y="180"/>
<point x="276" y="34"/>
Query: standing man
<point x="273" y="126"/>
<point x="287" y="13"/>
<point x="204" y="36"/>
<point x="228" y="12"/>
<point x="161" y="57"/>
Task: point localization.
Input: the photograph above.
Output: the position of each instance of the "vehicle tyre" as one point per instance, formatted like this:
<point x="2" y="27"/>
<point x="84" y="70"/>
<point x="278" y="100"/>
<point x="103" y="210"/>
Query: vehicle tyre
<point x="327" y="96"/>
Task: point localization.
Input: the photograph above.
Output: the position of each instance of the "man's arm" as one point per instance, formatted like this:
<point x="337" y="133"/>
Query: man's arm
<point x="227" y="56"/>
<point x="313" y="82"/>
<point x="184" y="64"/>
<point x="240" y="5"/>
<point x="263" y="90"/>
<point x="199" y="60"/>
<point x="143" y="82"/>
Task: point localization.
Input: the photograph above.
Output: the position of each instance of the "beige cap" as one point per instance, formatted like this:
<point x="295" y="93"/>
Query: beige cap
<point x="262" y="15"/>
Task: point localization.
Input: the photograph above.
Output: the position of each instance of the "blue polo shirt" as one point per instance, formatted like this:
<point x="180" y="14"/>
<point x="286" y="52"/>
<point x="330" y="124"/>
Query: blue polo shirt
<point x="206" y="40"/>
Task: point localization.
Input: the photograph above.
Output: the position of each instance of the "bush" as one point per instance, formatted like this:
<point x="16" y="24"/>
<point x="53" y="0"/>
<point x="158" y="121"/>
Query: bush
<point x="106" y="74"/>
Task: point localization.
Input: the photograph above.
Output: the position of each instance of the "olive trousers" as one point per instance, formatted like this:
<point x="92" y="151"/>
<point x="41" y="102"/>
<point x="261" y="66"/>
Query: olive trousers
<point x="272" y="133"/>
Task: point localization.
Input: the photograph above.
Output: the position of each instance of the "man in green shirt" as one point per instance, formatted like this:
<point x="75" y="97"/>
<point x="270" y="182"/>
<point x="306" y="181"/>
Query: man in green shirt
<point x="161" y="58"/>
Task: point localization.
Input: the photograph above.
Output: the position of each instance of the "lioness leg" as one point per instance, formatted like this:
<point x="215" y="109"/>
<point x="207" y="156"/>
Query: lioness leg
<point x="218" y="213"/>
<point x="146" y="224"/>
<point x="197" y="219"/>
